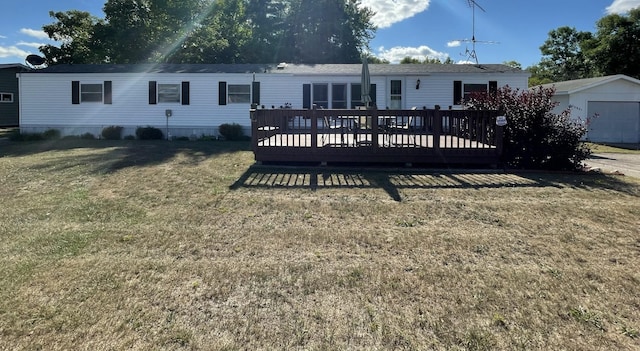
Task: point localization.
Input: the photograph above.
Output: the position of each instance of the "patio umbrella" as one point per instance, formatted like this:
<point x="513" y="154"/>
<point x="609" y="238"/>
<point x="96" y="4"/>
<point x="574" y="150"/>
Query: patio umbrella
<point x="365" y="83"/>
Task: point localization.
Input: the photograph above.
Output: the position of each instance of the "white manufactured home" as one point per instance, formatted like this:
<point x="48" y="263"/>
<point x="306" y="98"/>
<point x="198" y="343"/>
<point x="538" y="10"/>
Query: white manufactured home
<point x="195" y="99"/>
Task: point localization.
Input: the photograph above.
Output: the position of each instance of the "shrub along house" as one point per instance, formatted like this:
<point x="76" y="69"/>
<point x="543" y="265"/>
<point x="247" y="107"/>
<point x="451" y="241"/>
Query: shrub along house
<point x="9" y="95"/>
<point x="195" y="99"/>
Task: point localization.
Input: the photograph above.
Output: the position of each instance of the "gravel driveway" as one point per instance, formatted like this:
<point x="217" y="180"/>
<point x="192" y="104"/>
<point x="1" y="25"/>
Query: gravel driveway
<point x="628" y="164"/>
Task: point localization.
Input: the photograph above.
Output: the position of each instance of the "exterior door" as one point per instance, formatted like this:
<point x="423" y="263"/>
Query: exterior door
<point x="395" y="94"/>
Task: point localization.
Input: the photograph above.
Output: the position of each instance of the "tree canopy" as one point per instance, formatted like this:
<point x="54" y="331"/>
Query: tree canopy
<point x="428" y="60"/>
<point x="571" y="54"/>
<point x="615" y="49"/>
<point x="213" y="31"/>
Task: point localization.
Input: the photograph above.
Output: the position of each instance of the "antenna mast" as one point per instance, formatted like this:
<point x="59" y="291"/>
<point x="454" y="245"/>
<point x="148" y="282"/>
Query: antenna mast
<point x="472" y="54"/>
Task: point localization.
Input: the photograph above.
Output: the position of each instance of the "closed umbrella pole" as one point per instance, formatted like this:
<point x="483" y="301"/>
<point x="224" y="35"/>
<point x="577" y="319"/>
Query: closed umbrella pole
<point x="365" y="83"/>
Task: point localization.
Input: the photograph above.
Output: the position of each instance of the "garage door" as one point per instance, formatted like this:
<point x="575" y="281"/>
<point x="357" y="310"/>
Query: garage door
<point x="617" y="122"/>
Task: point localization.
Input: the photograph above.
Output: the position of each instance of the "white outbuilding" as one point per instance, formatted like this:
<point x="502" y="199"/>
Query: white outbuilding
<point x="610" y="104"/>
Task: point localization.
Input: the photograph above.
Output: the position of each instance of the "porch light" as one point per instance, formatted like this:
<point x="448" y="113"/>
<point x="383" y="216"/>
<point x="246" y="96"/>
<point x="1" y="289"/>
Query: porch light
<point x="417" y="84"/>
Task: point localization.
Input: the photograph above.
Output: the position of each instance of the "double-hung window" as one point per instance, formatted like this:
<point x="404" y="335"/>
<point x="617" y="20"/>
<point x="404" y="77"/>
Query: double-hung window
<point x="338" y="96"/>
<point x="473" y="88"/>
<point x="90" y="92"/>
<point x="169" y="93"/>
<point x="321" y="95"/>
<point x="239" y="93"/>
<point x="356" y="95"/>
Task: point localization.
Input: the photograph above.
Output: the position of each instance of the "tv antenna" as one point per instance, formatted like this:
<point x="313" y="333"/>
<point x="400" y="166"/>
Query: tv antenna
<point x="471" y="54"/>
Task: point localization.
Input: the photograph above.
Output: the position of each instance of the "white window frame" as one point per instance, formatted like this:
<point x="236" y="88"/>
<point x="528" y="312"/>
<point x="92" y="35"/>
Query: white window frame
<point x="169" y="97"/>
<point x="87" y="96"/>
<point x="239" y="93"/>
<point x="6" y="98"/>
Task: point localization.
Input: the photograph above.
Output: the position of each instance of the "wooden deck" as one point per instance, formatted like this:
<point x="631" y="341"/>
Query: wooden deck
<point x="376" y="136"/>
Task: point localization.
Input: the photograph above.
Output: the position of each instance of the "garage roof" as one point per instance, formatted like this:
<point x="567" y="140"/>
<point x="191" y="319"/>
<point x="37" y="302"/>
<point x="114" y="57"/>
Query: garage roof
<point x="574" y="86"/>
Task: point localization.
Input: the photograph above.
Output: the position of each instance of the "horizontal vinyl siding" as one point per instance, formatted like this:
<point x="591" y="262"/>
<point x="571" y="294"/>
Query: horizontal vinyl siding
<point x="438" y="89"/>
<point x="46" y="98"/>
<point x="47" y="101"/>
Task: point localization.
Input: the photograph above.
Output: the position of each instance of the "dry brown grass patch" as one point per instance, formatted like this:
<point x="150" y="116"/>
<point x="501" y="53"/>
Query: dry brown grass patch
<point x="188" y="246"/>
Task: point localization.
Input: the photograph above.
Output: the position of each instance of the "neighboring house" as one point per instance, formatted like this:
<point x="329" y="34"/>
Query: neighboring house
<point x="9" y="94"/>
<point x="615" y="100"/>
<point x="76" y="99"/>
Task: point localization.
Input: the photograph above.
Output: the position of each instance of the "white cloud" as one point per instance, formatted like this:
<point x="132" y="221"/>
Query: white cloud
<point x="454" y="44"/>
<point x="622" y="6"/>
<point x="388" y="12"/>
<point x="13" y="51"/>
<point x="396" y="54"/>
<point x="31" y="45"/>
<point x="3" y="37"/>
<point x="34" y="33"/>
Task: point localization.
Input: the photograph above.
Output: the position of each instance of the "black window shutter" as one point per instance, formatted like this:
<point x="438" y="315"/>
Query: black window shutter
<point x="107" y="92"/>
<point x="152" y="93"/>
<point x="457" y="92"/>
<point x="255" y="89"/>
<point x="75" y="92"/>
<point x="372" y="93"/>
<point x="222" y="93"/>
<point x="306" y="96"/>
<point x="185" y="93"/>
<point x="493" y="86"/>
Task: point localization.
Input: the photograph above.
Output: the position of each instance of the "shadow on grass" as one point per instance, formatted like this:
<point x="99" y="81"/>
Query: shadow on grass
<point x="111" y="156"/>
<point x="393" y="180"/>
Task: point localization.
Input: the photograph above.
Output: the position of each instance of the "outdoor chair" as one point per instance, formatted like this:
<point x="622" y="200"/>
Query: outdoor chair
<point x="402" y="128"/>
<point x="361" y="127"/>
<point x="333" y="126"/>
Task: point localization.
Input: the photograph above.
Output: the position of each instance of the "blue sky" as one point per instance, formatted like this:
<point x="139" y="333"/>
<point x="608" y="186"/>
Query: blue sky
<point x="417" y="28"/>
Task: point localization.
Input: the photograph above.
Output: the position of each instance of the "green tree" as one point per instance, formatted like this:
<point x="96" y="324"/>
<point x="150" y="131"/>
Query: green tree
<point x="410" y="60"/>
<point x="514" y="64"/>
<point x="327" y="31"/>
<point x="376" y="60"/>
<point x="221" y="35"/>
<point x="75" y="30"/>
<point x="615" y="48"/>
<point x="539" y="75"/>
<point x="427" y="60"/>
<point x="562" y="54"/>
<point x="214" y="31"/>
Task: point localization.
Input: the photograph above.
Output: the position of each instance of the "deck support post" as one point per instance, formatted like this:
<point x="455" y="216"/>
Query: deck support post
<point x="437" y="130"/>
<point x="314" y="128"/>
<point x="374" y="127"/>
<point x="254" y="129"/>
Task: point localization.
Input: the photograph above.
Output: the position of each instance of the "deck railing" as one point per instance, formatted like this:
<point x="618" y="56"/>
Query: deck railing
<point x="410" y="136"/>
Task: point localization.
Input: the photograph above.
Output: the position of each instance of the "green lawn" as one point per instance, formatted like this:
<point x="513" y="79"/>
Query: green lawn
<point x="134" y="245"/>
